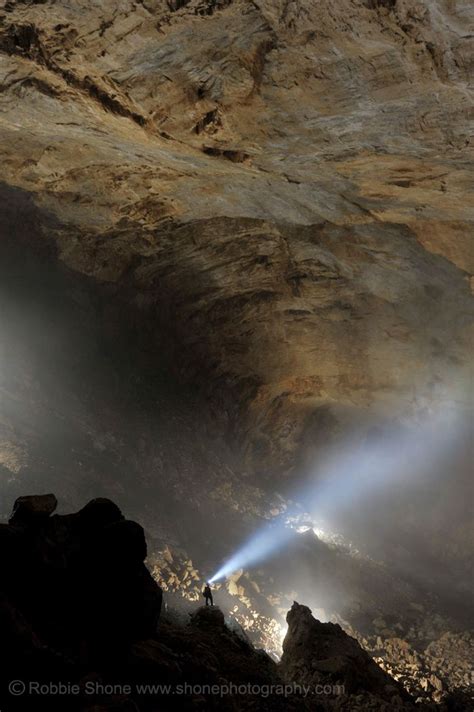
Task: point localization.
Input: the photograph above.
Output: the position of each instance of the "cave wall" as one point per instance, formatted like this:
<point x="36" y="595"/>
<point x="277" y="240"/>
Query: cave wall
<point x="275" y="195"/>
<point x="325" y="262"/>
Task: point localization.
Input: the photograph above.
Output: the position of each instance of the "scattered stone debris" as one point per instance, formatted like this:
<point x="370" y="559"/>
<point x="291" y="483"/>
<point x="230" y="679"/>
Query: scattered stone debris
<point x="77" y="603"/>
<point x="430" y="673"/>
<point x="418" y="648"/>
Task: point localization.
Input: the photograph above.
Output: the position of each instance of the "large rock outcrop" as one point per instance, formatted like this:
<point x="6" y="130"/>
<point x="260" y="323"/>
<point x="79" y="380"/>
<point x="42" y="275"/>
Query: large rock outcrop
<point x="316" y="653"/>
<point x="284" y="187"/>
<point x="75" y="594"/>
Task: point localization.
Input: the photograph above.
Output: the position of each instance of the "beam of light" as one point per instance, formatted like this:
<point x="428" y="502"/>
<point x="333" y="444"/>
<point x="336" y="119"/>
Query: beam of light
<point x="265" y="542"/>
<point x="364" y="468"/>
<point x="400" y="456"/>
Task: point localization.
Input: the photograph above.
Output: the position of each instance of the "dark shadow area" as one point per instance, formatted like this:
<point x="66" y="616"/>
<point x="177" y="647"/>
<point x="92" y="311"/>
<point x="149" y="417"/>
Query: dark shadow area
<point x="91" y="407"/>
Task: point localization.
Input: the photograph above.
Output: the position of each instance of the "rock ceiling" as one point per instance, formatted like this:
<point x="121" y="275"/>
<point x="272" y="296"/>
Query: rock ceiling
<point x="285" y="186"/>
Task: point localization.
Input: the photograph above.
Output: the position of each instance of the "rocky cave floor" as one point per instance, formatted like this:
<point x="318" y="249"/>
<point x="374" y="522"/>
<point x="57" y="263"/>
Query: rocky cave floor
<point x="79" y="608"/>
<point x="428" y="652"/>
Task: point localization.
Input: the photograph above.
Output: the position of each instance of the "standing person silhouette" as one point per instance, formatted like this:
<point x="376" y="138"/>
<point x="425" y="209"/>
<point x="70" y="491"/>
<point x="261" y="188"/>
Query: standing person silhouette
<point x="207" y="593"/>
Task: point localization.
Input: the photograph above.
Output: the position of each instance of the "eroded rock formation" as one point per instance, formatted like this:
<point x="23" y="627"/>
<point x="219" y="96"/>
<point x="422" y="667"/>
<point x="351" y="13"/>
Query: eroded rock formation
<point x="78" y="583"/>
<point x="315" y="653"/>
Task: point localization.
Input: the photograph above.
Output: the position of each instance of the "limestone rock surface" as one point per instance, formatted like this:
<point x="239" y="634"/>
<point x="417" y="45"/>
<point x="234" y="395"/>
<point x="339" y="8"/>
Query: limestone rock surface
<point x="283" y="187"/>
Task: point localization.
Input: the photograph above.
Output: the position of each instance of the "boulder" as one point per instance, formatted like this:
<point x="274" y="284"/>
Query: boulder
<point x="78" y="581"/>
<point x="33" y="508"/>
<point x="99" y="513"/>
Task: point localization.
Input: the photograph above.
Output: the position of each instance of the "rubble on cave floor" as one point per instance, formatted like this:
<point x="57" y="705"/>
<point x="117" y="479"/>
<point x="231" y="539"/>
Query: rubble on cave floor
<point x="77" y="604"/>
<point x="428" y="653"/>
